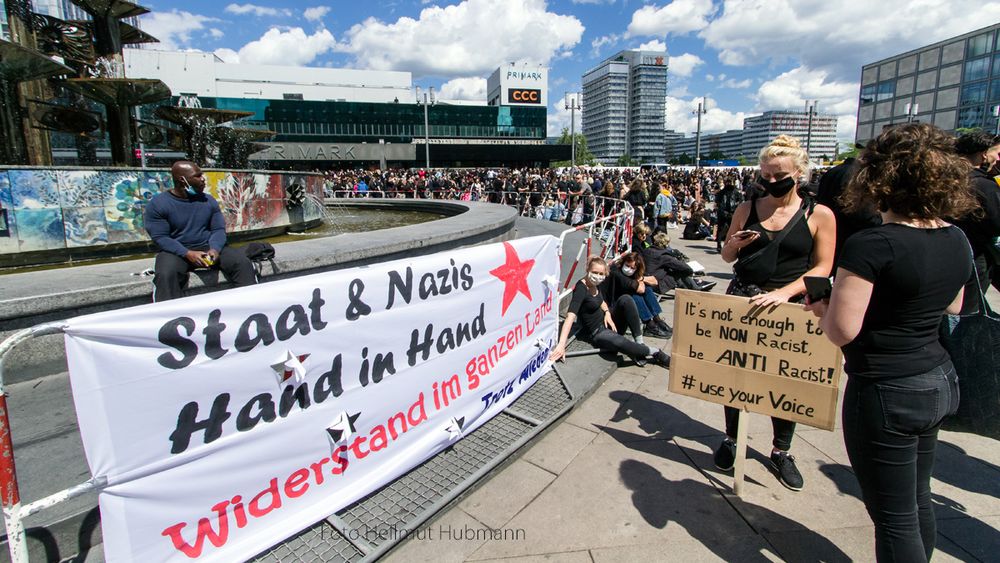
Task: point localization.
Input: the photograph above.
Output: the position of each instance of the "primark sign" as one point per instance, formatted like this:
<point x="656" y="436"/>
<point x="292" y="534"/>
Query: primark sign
<point x="336" y="151"/>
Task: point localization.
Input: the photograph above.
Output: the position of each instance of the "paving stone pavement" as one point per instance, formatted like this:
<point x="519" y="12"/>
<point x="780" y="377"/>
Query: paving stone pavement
<point x="628" y="476"/>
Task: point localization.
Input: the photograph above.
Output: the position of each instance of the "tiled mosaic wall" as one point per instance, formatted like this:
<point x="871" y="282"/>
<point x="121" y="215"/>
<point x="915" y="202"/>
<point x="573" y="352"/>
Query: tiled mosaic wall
<point x="47" y="209"/>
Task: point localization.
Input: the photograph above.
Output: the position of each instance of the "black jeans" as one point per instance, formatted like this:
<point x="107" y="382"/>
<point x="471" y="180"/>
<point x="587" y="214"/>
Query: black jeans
<point x="784" y="430"/>
<point x="171" y="272"/>
<point x="626" y="316"/>
<point x="890" y="430"/>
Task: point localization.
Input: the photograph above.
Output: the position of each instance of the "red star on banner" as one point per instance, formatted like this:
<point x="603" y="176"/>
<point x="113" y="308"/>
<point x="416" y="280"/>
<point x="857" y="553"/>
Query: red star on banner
<point x="514" y="275"/>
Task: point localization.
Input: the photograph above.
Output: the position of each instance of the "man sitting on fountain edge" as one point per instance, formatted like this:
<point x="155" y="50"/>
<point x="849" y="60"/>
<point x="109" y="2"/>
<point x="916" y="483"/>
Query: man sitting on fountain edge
<point x="187" y="226"/>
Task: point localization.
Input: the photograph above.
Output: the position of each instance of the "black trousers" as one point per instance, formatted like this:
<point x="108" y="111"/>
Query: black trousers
<point x="626" y="316"/>
<point x="890" y="430"/>
<point x="784" y="430"/>
<point x="171" y="272"/>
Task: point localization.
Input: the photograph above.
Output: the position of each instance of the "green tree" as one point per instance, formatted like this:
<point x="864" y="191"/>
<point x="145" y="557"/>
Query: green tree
<point x="626" y="160"/>
<point x="583" y="155"/>
<point x="852" y="152"/>
<point x="716" y="155"/>
<point x="683" y="160"/>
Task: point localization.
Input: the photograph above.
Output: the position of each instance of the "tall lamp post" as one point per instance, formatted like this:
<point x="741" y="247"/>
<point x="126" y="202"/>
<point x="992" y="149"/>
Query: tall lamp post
<point x="428" y="100"/>
<point x="572" y="104"/>
<point x="697" y="136"/>
<point x="810" y="111"/>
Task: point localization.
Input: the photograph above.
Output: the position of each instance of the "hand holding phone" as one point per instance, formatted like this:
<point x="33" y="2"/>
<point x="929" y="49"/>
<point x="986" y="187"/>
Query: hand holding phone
<point x="817" y="288"/>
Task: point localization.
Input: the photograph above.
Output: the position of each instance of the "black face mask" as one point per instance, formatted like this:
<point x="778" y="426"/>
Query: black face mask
<point x="779" y="188"/>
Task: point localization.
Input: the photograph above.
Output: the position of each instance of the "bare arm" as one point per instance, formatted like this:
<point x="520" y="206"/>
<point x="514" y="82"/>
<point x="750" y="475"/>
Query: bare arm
<point x="560" y="350"/>
<point x="956" y="305"/>
<point x="733" y="245"/>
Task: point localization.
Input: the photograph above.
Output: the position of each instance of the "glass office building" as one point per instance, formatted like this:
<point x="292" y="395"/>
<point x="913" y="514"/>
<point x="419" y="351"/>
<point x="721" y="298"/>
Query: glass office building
<point x="954" y="84"/>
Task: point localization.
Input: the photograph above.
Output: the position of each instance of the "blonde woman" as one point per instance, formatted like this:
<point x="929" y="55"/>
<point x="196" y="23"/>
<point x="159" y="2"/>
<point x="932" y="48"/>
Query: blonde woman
<point x="801" y="236"/>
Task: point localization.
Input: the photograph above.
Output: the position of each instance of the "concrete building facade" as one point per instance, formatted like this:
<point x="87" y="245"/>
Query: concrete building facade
<point x="954" y="84"/>
<point x="760" y="130"/>
<point x="623" y="100"/>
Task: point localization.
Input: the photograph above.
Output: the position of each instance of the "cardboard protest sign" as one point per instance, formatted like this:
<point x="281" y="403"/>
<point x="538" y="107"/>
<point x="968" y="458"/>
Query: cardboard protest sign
<point x="773" y="361"/>
<point x="223" y="423"/>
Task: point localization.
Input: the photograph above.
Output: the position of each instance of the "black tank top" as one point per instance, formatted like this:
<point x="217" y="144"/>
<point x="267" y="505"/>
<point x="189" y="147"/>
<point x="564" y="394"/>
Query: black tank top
<point x="794" y="254"/>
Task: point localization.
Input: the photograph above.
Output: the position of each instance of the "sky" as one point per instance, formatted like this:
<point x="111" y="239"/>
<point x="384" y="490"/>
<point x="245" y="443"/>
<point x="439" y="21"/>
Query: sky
<point x="743" y="56"/>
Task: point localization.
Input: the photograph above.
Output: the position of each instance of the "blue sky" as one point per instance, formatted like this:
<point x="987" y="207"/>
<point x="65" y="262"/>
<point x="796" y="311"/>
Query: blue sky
<point x="746" y="56"/>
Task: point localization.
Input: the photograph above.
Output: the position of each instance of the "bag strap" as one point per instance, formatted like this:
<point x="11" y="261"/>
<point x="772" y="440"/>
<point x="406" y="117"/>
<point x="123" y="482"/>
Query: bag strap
<point x="791" y="223"/>
<point x="984" y="307"/>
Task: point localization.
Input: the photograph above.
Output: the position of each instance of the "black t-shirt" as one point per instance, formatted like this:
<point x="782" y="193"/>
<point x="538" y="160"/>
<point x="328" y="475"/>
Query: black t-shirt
<point x="587" y="308"/>
<point x="916" y="274"/>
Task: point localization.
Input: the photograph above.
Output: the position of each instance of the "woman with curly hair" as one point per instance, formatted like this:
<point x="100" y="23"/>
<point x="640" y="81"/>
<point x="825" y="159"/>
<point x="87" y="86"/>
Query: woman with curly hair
<point x="894" y="283"/>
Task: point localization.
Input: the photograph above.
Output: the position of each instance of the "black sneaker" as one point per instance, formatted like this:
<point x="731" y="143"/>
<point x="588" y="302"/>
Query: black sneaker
<point x="725" y="456"/>
<point x="706" y="285"/>
<point x="654" y="330"/>
<point x="788" y="474"/>
<point x="661" y="359"/>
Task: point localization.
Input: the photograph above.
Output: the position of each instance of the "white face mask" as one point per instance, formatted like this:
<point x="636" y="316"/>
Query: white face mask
<point x="627" y="270"/>
<point x="596" y="279"/>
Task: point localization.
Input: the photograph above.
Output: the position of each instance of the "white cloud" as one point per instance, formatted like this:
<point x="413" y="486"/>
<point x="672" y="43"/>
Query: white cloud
<point x="468" y="38"/>
<point x="558" y="118"/>
<point x="316" y="13"/>
<point x="683" y="65"/>
<point x="654" y="45"/>
<point x="259" y="11"/>
<point x="174" y="28"/>
<point x="599" y="42"/>
<point x="791" y="89"/>
<point x="227" y="55"/>
<point x="472" y="88"/>
<point x="837" y="36"/>
<point x="680" y="117"/>
<point x="737" y="84"/>
<point x="677" y="17"/>
<point x="287" y="47"/>
<point x="216" y="33"/>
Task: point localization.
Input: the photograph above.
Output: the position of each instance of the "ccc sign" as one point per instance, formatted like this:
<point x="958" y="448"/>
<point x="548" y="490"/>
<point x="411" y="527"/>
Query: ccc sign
<point x="524" y="96"/>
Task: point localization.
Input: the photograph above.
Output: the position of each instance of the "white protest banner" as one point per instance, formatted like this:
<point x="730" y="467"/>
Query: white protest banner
<point x="226" y="422"/>
<point x="774" y="361"/>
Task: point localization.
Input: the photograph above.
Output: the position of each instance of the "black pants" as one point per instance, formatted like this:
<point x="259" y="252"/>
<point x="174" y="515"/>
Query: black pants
<point x="784" y="430"/>
<point x="625" y="314"/>
<point x="890" y="430"/>
<point x="720" y="236"/>
<point x="171" y="272"/>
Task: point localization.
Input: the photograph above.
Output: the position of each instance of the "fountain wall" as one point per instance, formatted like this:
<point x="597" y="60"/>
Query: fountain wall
<point x="58" y="214"/>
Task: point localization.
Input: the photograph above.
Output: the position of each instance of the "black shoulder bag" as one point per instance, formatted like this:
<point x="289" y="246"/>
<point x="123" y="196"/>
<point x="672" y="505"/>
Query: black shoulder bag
<point x="754" y="270"/>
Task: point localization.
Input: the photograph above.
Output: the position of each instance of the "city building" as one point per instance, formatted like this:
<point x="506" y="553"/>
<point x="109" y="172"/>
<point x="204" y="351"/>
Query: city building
<point x="714" y="146"/>
<point x="4" y="26"/>
<point x="818" y="134"/>
<point x="954" y="84"/>
<point x="623" y="100"/>
<point x="327" y="118"/>
<point x="670" y="139"/>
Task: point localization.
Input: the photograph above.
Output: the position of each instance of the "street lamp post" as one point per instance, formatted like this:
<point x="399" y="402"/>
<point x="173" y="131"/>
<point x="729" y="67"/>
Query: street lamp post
<point x="811" y="111"/>
<point x="572" y="104"/>
<point x="697" y="136"/>
<point x="429" y="100"/>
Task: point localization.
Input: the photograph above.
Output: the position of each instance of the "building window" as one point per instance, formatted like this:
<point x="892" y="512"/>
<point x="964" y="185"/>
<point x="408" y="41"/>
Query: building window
<point x="971" y="117"/>
<point x="973" y="94"/>
<point x="868" y="94"/>
<point x="977" y="69"/>
<point x="288" y="96"/>
<point x="885" y="90"/>
<point x="980" y="45"/>
<point x="995" y="90"/>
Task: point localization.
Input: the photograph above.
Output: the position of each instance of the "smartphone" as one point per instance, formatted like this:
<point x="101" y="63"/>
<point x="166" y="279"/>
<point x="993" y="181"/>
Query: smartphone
<point x="818" y="288"/>
<point x="744" y="234"/>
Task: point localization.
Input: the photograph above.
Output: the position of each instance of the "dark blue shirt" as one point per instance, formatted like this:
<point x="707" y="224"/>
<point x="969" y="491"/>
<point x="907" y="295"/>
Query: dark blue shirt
<point x="177" y="225"/>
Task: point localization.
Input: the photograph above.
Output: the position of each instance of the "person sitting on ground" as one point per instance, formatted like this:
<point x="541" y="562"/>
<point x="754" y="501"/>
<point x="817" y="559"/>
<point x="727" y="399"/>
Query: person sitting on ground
<point x="640" y="237"/>
<point x="628" y="280"/>
<point x="601" y="327"/>
<point x="698" y="226"/>
<point x="669" y="267"/>
<point x="187" y="226"/>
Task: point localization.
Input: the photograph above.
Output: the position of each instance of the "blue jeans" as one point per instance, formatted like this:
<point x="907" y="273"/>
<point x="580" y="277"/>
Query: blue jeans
<point x="648" y="304"/>
<point x="890" y="430"/>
